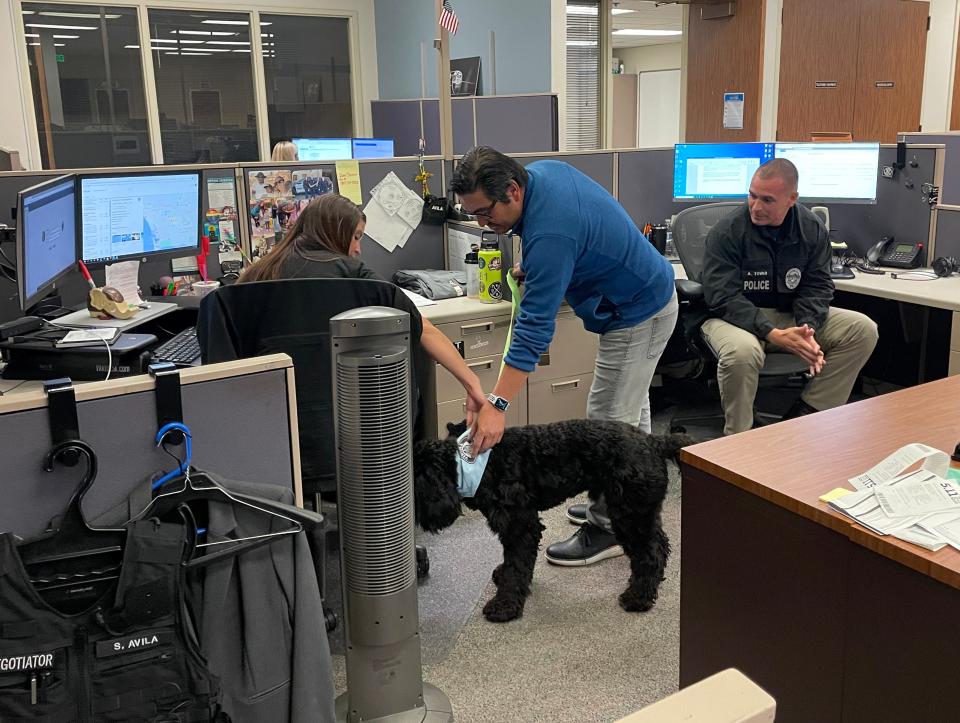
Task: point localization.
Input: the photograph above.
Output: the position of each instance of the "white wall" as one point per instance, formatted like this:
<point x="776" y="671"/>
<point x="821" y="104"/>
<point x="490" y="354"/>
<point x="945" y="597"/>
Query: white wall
<point x="940" y="63"/>
<point x="18" y="126"/>
<point x="650" y="57"/>
<point x="13" y="131"/>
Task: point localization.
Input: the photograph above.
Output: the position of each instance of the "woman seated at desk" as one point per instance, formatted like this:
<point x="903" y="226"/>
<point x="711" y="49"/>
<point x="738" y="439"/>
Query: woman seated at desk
<point x="324" y="243"/>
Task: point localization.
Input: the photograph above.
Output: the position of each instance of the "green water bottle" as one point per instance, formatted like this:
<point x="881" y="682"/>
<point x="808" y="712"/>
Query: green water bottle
<point x="490" y="271"/>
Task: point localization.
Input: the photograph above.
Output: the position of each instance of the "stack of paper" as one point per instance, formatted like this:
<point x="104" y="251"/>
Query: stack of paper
<point x="393" y="213"/>
<point x="920" y="506"/>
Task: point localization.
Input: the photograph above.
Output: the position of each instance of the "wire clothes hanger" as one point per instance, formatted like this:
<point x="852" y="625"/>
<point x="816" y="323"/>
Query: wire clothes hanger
<point x="199" y="486"/>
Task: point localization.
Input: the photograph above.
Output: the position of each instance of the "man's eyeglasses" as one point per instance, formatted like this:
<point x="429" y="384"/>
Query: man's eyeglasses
<point x="486" y="212"/>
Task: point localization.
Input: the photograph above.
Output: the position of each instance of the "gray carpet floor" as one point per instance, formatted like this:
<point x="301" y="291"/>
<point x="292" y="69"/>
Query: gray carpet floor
<point x="574" y="656"/>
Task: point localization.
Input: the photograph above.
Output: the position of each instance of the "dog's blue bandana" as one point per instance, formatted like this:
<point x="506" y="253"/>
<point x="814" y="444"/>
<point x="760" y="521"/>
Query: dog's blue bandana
<point x="469" y="469"/>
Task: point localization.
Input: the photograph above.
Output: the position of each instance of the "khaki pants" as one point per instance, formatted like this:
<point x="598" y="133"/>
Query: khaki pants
<point x="847" y="340"/>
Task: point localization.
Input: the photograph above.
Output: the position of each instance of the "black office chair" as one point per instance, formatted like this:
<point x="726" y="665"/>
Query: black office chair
<point x="781" y="370"/>
<point x="293" y="316"/>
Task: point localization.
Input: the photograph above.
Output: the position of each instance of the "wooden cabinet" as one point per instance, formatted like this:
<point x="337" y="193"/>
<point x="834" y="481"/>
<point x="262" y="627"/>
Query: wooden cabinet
<point x="851" y="66"/>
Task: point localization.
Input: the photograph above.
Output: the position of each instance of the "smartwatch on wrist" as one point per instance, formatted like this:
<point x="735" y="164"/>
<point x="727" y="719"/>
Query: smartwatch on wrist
<point x="499" y="402"/>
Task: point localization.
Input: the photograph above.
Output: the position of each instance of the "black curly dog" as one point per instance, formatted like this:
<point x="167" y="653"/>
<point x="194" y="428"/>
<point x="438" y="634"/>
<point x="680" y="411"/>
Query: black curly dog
<point x="537" y="467"/>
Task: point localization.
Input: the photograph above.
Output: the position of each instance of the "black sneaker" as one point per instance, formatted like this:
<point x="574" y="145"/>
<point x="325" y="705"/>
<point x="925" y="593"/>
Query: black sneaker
<point x="586" y="546"/>
<point x="577" y="514"/>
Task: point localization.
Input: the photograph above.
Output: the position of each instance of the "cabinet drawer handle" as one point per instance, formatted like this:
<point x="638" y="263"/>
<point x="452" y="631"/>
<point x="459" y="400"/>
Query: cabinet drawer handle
<point x="488" y="364"/>
<point x="572" y="384"/>
<point x="486" y="326"/>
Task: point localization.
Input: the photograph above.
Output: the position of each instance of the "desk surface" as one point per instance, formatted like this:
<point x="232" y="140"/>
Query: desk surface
<point x="938" y="293"/>
<point x="792" y="463"/>
<point x="463" y="309"/>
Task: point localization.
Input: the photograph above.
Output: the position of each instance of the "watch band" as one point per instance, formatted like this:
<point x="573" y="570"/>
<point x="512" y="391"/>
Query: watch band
<point x="499" y="402"/>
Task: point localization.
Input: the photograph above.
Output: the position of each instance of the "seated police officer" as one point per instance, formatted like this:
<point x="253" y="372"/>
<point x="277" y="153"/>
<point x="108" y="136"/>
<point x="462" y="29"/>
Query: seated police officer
<point x="766" y="280"/>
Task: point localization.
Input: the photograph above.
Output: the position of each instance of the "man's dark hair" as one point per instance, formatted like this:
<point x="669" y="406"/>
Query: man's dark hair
<point x="780" y="168"/>
<point x="487" y="170"/>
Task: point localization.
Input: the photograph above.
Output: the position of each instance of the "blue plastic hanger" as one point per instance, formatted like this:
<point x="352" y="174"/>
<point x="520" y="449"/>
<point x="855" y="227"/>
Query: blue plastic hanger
<point x="184" y="467"/>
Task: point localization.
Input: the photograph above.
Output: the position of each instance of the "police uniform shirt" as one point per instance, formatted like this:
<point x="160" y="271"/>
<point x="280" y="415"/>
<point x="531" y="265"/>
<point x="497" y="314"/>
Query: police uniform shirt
<point x="748" y="268"/>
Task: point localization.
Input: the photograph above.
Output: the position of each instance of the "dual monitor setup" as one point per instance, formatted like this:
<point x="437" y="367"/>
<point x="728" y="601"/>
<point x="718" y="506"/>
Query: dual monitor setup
<point x="100" y="219"/>
<point x="342" y="149"/>
<point x="829" y="172"/>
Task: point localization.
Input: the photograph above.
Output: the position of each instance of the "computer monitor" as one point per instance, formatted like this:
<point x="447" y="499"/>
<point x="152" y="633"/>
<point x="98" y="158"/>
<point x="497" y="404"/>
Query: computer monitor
<point x="373" y="147"/>
<point x="46" y="237"/>
<point x="129" y="216"/>
<point x="323" y="149"/>
<point x="834" y="172"/>
<point x="716" y="170"/>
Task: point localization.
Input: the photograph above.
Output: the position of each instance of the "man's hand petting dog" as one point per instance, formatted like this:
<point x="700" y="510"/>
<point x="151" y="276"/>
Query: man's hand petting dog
<point x="538" y="467"/>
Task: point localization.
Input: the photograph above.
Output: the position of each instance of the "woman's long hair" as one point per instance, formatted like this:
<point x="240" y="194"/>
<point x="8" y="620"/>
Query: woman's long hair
<point x="326" y="223"/>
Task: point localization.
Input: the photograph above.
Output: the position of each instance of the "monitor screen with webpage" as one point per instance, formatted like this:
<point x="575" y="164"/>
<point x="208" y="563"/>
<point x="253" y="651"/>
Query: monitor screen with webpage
<point x="834" y="172"/>
<point x="323" y="149"/>
<point x="828" y="172"/>
<point x="373" y="147"/>
<point x="716" y="170"/>
<point x="46" y="237"/>
<point x="129" y="216"/>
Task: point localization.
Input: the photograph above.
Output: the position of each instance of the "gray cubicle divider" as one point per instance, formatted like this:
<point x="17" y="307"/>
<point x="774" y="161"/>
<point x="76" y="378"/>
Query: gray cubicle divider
<point x="948" y="232"/>
<point x="401" y="120"/>
<point x="431" y="127"/>
<point x="598" y="165"/>
<point x="901" y="210"/>
<point x="424" y="248"/>
<point x="645" y="185"/>
<point x="645" y="189"/>
<point x="511" y="123"/>
<point x="242" y="416"/>
<point x="464" y="121"/>
<point x="73" y="289"/>
<point x="518" y="123"/>
<point x="950" y="140"/>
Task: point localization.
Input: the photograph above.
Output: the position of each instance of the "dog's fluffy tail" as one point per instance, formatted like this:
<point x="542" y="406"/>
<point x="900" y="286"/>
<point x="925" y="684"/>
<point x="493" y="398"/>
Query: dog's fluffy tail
<point x="669" y="445"/>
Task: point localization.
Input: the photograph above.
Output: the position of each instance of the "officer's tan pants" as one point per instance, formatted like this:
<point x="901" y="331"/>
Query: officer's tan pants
<point x="847" y="340"/>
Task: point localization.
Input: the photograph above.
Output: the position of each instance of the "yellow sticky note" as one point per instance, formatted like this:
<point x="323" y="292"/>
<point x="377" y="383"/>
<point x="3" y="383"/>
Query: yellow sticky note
<point x="834" y="494"/>
<point x="348" y="180"/>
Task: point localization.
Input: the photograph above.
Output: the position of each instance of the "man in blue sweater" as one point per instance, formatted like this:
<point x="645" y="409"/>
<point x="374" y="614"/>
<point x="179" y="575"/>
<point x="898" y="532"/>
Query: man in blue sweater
<point x="578" y="244"/>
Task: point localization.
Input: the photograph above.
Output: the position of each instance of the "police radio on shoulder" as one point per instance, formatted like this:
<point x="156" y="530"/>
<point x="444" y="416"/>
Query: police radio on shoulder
<point x="499" y="402"/>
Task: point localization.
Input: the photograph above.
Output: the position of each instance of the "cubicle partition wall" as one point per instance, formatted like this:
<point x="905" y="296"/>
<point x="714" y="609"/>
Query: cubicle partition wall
<point x="73" y="289"/>
<point x="902" y="210"/>
<point x="645" y="189"/>
<point x="950" y="140"/>
<point x="424" y="248"/>
<point x="645" y="185"/>
<point x="598" y="165"/>
<point x="948" y="232"/>
<point x="226" y="406"/>
<point x="510" y="123"/>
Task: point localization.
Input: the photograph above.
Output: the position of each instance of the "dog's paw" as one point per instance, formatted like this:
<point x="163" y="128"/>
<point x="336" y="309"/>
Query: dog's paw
<point x="502" y="610"/>
<point x="497" y="571"/>
<point x="634" y="601"/>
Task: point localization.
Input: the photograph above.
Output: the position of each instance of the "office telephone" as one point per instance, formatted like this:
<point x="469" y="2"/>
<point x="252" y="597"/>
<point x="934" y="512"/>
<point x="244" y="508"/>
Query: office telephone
<point x="897" y="254"/>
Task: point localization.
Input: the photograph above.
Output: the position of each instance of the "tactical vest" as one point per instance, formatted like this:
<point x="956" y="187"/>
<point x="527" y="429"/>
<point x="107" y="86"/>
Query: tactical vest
<point x="132" y="656"/>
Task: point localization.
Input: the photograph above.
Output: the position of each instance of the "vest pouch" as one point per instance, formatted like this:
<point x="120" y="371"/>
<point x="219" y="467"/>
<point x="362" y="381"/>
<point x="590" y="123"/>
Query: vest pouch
<point x="145" y="675"/>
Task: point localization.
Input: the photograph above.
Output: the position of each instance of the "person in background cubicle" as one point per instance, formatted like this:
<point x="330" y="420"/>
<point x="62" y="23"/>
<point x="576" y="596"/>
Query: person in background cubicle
<point x="284" y="151"/>
<point x="579" y="244"/>
<point x="324" y="243"/>
<point x="766" y="279"/>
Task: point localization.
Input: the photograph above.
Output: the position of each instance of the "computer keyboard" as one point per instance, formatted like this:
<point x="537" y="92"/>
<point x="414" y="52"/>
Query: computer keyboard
<point x="182" y="349"/>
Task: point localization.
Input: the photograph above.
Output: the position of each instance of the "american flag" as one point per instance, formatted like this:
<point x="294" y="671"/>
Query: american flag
<point x="448" y="18"/>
